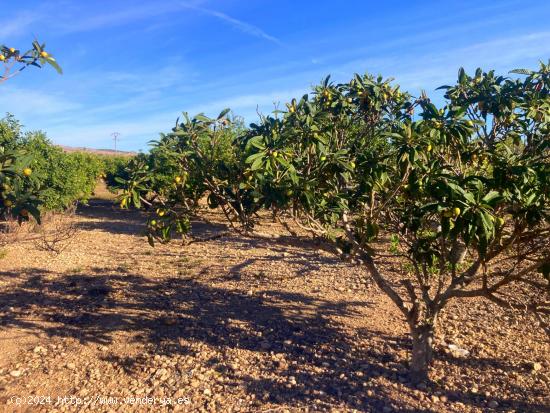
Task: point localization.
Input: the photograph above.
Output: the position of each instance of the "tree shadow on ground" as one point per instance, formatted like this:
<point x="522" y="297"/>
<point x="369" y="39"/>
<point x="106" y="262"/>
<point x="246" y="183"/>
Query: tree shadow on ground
<point x="107" y="216"/>
<point x="104" y="215"/>
<point x="473" y="366"/>
<point x="326" y="361"/>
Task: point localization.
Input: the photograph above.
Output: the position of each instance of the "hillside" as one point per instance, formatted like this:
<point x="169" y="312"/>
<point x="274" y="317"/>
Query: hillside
<point x="97" y="151"/>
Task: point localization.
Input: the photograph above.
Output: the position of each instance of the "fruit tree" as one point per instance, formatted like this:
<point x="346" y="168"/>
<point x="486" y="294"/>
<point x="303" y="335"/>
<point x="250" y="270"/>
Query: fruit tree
<point x="16" y="196"/>
<point x="457" y="194"/>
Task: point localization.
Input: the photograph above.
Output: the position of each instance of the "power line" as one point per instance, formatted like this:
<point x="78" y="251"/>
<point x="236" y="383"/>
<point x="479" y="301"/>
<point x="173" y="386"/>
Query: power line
<point x="115" y="136"/>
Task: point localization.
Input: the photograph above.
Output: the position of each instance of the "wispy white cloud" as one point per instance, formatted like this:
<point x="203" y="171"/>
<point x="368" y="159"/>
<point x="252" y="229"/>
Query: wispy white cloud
<point x="78" y="22"/>
<point x="238" y="24"/>
<point x="142" y="115"/>
<point x="18" y="24"/>
<point x="143" y="100"/>
<point x="134" y="133"/>
<point x="501" y="54"/>
<point x="427" y="67"/>
<point x="72" y="23"/>
<point x="27" y="102"/>
<point x="76" y="126"/>
<point x="248" y="105"/>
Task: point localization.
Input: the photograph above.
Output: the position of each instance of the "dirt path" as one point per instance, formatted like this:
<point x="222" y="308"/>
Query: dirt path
<point x="235" y="324"/>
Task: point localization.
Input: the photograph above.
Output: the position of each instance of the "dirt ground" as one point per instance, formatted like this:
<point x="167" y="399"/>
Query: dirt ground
<point x="237" y="324"/>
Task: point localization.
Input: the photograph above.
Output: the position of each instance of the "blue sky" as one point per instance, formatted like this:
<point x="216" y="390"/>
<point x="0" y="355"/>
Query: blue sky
<point x="134" y="66"/>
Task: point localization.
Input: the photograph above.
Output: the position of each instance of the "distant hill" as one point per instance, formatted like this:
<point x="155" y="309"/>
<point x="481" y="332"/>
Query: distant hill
<point x="97" y="151"/>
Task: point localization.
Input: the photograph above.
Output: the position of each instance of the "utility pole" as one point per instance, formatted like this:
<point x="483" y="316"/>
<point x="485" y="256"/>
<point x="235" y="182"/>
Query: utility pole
<point x="115" y="136"/>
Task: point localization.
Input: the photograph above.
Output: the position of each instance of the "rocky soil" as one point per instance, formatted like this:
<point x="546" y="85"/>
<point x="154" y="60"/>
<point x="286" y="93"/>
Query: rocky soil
<point x="237" y="325"/>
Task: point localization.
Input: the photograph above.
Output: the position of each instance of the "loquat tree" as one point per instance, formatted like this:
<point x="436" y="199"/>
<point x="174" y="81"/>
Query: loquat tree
<point x="16" y="198"/>
<point x="459" y="195"/>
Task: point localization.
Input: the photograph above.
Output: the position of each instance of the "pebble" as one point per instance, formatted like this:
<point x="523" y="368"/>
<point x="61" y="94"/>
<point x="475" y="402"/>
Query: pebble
<point x="457" y="351"/>
<point x="39" y="349"/>
<point x="210" y="388"/>
<point x="536" y="366"/>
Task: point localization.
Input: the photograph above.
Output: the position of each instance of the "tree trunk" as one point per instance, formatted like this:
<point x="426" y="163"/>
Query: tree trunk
<point x="274" y="213"/>
<point x="422" y="349"/>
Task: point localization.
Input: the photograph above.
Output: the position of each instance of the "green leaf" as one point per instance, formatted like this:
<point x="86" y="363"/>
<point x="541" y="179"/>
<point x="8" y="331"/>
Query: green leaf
<point x="51" y="61"/>
<point x="461" y="75"/>
<point x="223" y="113"/>
<point x="203" y="118"/>
<point x="253" y="157"/>
<point x="257" y="164"/>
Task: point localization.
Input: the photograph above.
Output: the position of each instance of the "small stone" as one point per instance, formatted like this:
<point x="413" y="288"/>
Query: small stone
<point x="457" y="351"/>
<point x="536" y="366"/>
<point x="434" y="398"/>
<point x="281" y="365"/>
<point x="15" y="373"/>
<point x="443" y="399"/>
<point x="493" y="404"/>
<point x="71" y="366"/>
<point x="39" y="350"/>
<point x="207" y="392"/>
<point x="370" y="393"/>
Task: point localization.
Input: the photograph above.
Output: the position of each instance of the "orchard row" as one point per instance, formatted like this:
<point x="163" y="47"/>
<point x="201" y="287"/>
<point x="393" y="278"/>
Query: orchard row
<point x="460" y="192"/>
<point x="37" y="176"/>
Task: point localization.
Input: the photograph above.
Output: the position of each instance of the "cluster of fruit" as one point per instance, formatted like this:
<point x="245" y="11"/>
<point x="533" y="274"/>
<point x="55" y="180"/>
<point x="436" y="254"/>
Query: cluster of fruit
<point x="11" y="52"/>
<point x="16" y="60"/>
<point x="9" y="198"/>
